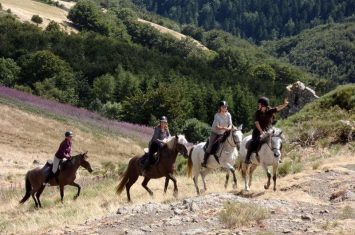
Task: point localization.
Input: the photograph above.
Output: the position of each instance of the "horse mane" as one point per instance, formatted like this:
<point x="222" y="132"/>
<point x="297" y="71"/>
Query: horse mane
<point x="171" y="142"/>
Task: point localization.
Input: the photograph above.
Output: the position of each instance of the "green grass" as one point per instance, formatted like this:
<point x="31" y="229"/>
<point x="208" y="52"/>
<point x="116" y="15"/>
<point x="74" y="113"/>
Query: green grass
<point x="241" y="214"/>
<point x="347" y="213"/>
<point x="290" y="167"/>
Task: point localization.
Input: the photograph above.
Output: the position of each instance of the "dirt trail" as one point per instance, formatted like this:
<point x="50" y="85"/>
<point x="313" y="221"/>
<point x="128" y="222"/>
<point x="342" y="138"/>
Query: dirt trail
<point x="302" y="205"/>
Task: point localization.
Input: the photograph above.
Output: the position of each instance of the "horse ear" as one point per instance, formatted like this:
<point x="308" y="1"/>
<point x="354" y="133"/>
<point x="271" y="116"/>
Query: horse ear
<point x="240" y="127"/>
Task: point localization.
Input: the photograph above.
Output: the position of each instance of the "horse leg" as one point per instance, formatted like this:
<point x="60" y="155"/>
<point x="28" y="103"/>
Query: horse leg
<point x="166" y="184"/>
<point x="129" y="184"/>
<point x="195" y="178"/>
<point x="38" y="194"/>
<point x="78" y="187"/>
<point x="267" y="185"/>
<point x="244" y="175"/>
<point x="203" y="175"/>
<point x="274" y="172"/>
<point x="234" y="178"/>
<point x="61" y="188"/>
<point x="251" y="171"/>
<point x="227" y="178"/>
<point x="172" y="177"/>
<point x="144" y="184"/>
<point x="34" y="199"/>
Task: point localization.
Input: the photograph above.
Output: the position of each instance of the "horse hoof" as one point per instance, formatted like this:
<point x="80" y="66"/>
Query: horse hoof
<point x="225" y="186"/>
<point x="75" y="197"/>
<point x="175" y="194"/>
<point x="274" y="189"/>
<point x="235" y="186"/>
<point x="266" y="187"/>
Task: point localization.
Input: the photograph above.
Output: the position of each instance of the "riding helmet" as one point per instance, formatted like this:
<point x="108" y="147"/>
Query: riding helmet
<point x="222" y="103"/>
<point x="68" y="134"/>
<point x="163" y="119"/>
<point x="264" y="101"/>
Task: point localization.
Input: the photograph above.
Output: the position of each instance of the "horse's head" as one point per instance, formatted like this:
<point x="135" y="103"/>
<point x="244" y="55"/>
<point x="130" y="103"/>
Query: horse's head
<point x="84" y="162"/>
<point x="178" y="143"/>
<point x="236" y="136"/>
<point x="276" y="141"/>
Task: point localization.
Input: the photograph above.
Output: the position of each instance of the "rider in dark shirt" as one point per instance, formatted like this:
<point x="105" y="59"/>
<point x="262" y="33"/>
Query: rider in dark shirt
<point x="264" y="118"/>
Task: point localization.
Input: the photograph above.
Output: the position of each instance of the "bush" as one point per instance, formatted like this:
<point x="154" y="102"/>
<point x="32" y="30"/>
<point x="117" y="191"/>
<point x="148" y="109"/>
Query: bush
<point x="37" y="19"/>
<point x="290" y="167"/>
<point x="112" y="110"/>
<point x="195" y="130"/>
<point x="181" y="165"/>
<point x="241" y="214"/>
<point x="9" y="72"/>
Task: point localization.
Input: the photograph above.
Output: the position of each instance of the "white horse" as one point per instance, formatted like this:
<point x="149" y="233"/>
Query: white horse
<point x="227" y="154"/>
<point x="269" y="155"/>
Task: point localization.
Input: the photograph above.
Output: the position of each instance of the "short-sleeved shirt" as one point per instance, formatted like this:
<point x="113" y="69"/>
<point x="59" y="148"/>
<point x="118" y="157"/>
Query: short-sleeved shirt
<point x="265" y="118"/>
<point x="221" y="120"/>
<point x="159" y="134"/>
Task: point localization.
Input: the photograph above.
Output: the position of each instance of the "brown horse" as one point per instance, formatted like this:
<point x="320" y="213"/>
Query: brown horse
<point x="164" y="167"/>
<point x="66" y="176"/>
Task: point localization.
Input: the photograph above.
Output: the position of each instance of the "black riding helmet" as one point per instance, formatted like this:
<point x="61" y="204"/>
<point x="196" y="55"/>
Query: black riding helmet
<point x="264" y="101"/>
<point x="163" y="119"/>
<point x="222" y="103"/>
<point x="68" y="133"/>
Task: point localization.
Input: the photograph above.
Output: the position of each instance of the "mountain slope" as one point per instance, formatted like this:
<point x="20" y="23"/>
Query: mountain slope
<point x="327" y="50"/>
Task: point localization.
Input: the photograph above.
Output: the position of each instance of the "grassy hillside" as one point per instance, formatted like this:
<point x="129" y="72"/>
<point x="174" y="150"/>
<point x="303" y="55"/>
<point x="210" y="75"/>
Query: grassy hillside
<point x="25" y="9"/>
<point x="327" y="50"/>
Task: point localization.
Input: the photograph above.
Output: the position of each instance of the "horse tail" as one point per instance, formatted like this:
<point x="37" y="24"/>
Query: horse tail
<point x="124" y="179"/>
<point x="28" y="190"/>
<point x="189" y="163"/>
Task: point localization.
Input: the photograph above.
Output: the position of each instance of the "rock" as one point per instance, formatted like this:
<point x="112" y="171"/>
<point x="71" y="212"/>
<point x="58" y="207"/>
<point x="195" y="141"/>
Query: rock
<point x="193" y="207"/>
<point x="286" y="231"/>
<point x="306" y="217"/>
<point x="324" y="212"/>
<point x="35" y="162"/>
<point x="134" y="232"/>
<point x="146" y="229"/>
<point x="194" y="231"/>
<point x="178" y="211"/>
<point x="298" y="96"/>
<point x="122" y="210"/>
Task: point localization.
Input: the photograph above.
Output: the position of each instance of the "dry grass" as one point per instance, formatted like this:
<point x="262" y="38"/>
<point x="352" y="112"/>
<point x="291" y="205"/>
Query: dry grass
<point x="25" y="137"/>
<point x="173" y="33"/>
<point x="25" y="9"/>
<point x="96" y="200"/>
<point x="242" y="214"/>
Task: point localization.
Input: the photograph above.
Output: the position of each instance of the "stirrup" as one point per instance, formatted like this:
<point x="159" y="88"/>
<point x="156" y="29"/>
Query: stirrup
<point x="204" y="164"/>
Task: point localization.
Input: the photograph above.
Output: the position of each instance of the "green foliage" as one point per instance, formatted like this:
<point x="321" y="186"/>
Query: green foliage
<point x="336" y="125"/>
<point x="290" y="167"/>
<point x="195" y="131"/>
<point x="53" y="27"/>
<point x="9" y="72"/>
<point x="104" y="87"/>
<point x="112" y="110"/>
<point x="181" y="166"/>
<point x="86" y="15"/>
<point x="37" y="19"/>
<point x="256" y="20"/>
<point x="325" y="50"/>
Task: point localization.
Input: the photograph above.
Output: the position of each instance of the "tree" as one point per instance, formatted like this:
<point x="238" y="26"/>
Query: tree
<point x="195" y="131"/>
<point x="37" y="19"/>
<point x="53" y="27"/>
<point x="104" y="87"/>
<point x="9" y="72"/>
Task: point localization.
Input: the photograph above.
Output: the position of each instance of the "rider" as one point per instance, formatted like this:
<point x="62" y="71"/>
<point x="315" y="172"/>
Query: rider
<point x="161" y="134"/>
<point x="63" y="152"/>
<point x="222" y="122"/>
<point x="264" y="118"/>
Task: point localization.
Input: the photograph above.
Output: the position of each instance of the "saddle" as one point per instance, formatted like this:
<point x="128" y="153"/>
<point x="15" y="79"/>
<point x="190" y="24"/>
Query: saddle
<point x="216" y="144"/>
<point x="145" y="158"/>
<point x="261" y="142"/>
<point x="49" y="165"/>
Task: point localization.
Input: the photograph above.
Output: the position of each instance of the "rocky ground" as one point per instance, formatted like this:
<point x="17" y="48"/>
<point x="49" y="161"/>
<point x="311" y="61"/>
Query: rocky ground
<point x="322" y="202"/>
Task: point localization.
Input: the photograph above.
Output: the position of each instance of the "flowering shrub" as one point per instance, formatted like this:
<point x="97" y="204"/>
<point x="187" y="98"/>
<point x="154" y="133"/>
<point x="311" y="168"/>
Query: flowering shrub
<point x="138" y="132"/>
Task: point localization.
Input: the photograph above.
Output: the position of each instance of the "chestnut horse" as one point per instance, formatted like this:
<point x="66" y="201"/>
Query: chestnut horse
<point x="163" y="168"/>
<point x="35" y="178"/>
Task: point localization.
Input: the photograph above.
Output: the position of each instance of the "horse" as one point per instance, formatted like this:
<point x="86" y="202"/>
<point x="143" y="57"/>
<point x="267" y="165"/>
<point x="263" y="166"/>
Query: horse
<point x="268" y="155"/>
<point x="164" y="167"/>
<point x="35" y="178"/>
<point x="227" y="153"/>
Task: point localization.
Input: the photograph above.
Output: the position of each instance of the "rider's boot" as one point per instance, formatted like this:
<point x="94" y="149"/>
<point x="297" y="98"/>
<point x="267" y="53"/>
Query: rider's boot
<point x="205" y="159"/>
